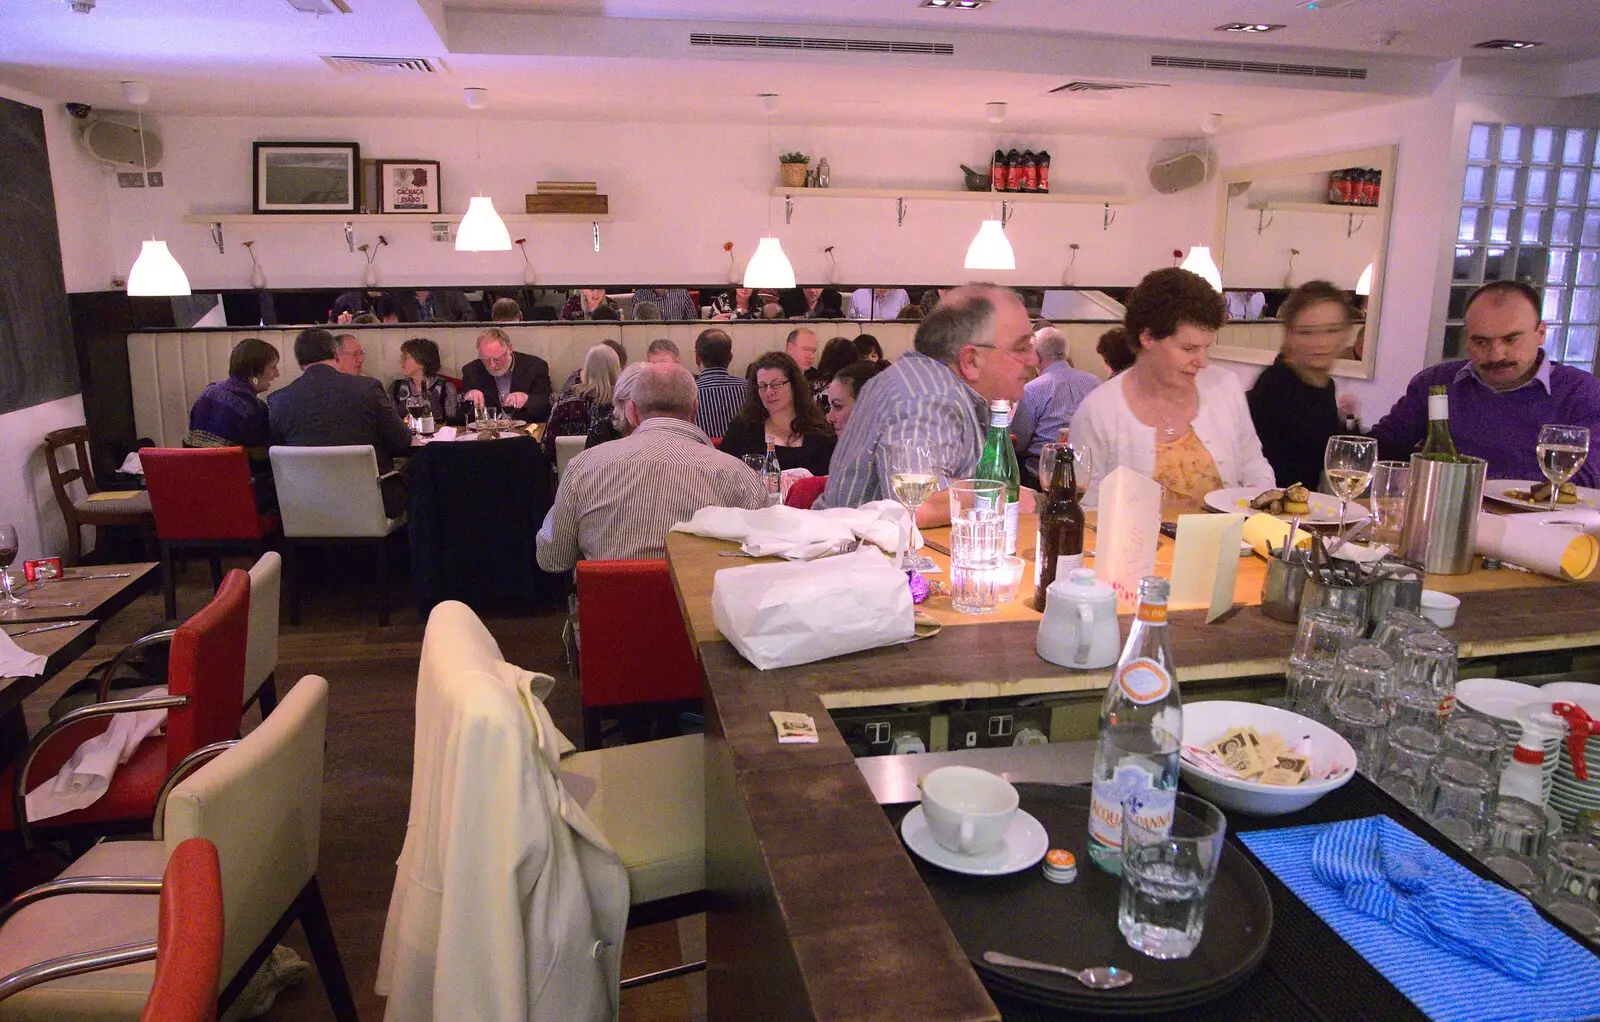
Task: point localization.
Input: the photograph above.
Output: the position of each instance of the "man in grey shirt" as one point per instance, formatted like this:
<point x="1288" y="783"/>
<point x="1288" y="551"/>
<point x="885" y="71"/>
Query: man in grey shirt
<point x="1048" y="401"/>
<point x="975" y="347"/>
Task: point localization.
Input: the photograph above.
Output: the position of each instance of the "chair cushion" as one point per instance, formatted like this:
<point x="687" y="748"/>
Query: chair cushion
<point x="133" y="791"/>
<point x="649" y="800"/>
<point x="139" y="504"/>
<point x="83" y="922"/>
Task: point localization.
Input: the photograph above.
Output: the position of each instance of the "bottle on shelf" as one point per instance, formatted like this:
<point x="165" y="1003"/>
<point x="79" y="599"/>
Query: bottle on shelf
<point x="824" y="173"/>
<point x="1141" y="724"/>
<point x="1060" y="547"/>
<point x="998" y="463"/>
<point x="1043" y="160"/>
<point x="772" y="475"/>
<point x="997" y="172"/>
<point x="1030" y="171"/>
<point x="1439" y="445"/>
<point x="1013" y="171"/>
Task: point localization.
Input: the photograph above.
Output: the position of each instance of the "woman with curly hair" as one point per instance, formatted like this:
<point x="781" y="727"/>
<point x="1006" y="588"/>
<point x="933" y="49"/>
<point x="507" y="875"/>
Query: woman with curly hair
<point x="779" y="410"/>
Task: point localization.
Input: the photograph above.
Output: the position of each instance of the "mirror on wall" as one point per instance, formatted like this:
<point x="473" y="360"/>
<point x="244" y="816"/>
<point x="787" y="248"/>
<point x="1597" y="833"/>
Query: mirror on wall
<point x="1283" y="223"/>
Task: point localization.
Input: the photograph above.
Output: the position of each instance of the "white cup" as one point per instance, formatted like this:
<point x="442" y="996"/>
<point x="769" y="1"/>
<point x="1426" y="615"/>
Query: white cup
<point x="968" y="810"/>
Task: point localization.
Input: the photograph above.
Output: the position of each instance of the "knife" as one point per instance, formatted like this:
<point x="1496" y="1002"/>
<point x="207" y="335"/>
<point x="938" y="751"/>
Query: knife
<point x="43" y="628"/>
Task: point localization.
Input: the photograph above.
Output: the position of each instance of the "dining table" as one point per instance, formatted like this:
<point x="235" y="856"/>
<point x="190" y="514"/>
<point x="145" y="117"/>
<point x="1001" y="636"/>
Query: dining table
<point x="89" y="591"/>
<point x="60" y="643"/>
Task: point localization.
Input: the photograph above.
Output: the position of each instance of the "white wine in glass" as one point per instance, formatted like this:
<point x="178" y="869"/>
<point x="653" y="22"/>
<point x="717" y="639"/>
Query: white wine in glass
<point x="1562" y="451"/>
<point x="1348" y="462"/>
<point x="913" y="478"/>
<point x="913" y="488"/>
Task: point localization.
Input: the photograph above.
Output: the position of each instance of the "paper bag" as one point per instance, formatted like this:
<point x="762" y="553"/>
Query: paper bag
<point x="1126" y="536"/>
<point x="779" y="615"/>
<point x="1551" y="548"/>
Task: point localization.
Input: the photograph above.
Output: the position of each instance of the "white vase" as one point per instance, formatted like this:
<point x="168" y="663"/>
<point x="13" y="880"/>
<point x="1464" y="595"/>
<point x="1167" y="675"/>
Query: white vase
<point x="369" y="275"/>
<point x="258" y="276"/>
<point x="733" y="272"/>
<point x="527" y="273"/>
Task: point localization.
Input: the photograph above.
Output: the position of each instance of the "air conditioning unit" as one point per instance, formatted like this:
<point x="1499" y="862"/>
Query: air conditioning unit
<point x="117" y="144"/>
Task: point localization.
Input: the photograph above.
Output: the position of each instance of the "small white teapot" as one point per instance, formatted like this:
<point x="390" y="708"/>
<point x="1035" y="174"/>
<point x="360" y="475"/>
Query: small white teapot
<point x="1079" y="629"/>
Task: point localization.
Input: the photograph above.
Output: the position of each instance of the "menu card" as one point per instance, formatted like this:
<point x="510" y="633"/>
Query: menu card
<point x="1127" y="532"/>
<point x="1205" y="562"/>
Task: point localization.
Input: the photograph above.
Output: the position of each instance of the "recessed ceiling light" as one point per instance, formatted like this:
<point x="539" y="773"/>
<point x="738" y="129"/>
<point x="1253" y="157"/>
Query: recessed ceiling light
<point x="1506" y="44"/>
<point x="955" y="5"/>
<point x="1247" y="26"/>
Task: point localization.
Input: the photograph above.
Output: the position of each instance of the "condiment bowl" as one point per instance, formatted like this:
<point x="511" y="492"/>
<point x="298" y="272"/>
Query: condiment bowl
<point x="1205" y="722"/>
<point x="1440" y="608"/>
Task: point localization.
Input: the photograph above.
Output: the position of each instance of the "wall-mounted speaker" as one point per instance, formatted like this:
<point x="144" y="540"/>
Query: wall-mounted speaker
<point x="1179" y="172"/>
<point x="116" y="143"/>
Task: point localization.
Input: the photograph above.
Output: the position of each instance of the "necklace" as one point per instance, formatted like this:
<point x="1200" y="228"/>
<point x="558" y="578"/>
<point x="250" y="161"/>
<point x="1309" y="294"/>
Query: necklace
<point x="1170" y="423"/>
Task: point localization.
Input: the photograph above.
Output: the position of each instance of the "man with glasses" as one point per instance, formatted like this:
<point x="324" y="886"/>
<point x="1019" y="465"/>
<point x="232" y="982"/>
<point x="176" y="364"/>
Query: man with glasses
<point x="975" y="347"/>
<point x="515" y="382"/>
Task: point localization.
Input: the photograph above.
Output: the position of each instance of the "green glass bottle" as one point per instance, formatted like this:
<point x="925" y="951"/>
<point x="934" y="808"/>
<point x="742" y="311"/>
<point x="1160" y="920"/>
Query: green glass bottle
<point x="1439" y="446"/>
<point x="998" y="463"/>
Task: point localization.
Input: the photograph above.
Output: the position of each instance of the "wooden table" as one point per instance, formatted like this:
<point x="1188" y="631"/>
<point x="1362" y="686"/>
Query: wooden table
<point x="60" y="645"/>
<point x="816" y="910"/>
<point x="99" y="597"/>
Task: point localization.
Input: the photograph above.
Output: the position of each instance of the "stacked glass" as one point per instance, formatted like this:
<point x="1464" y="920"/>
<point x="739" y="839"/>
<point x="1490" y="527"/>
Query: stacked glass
<point x="1323" y="634"/>
<point x="1361" y="701"/>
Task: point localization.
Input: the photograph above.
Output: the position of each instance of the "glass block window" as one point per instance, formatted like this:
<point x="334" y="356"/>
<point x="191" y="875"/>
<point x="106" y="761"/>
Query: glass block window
<point x="1530" y="210"/>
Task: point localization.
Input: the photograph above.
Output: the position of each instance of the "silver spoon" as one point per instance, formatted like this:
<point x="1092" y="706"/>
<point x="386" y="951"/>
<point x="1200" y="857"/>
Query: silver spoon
<point x="1099" y="977"/>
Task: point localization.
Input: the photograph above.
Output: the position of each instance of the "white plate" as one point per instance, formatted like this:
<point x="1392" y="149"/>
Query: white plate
<point x="1496" y="697"/>
<point x="1501" y="492"/>
<point x="1324" y="509"/>
<point x="1585" y="695"/>
<point x="1025" y="844"/>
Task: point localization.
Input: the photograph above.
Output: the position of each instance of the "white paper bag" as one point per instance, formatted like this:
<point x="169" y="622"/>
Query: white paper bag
<point x="779" y="615"/>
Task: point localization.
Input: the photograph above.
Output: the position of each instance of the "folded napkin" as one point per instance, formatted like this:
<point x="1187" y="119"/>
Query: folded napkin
<point x="1409" y="910"/>
<point x="1560" y="545"/>
<point x="445" y="433"/>
<point x="782" y="531"/>
<point x="16" y="662"/>
<point x="131" y="465"/>
<point x="84" y="778"/>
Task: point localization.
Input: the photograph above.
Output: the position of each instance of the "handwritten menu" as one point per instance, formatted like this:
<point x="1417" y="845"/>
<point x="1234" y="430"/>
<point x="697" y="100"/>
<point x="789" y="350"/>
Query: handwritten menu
<point x="1127" y="532"/>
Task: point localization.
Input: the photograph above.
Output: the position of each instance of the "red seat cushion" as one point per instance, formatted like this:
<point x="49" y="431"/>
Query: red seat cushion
<point x="635" y="646"/>
<point x="131" y="796"/>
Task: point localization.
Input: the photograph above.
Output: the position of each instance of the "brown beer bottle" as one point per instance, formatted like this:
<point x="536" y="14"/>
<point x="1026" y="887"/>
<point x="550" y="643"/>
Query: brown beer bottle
<point x="1060" y="547"/>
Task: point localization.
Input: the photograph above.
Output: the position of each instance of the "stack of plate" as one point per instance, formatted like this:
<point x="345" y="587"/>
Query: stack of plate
<point x="1497" y="701"/>
<point x="1569" y="795"/>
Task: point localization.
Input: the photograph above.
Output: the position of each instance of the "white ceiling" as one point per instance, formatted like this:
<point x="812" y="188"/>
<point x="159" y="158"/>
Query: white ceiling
<point x="261" y="58"/>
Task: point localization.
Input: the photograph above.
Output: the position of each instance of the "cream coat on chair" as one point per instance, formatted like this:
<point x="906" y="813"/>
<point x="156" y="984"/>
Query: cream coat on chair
<point x="497" y="858"/>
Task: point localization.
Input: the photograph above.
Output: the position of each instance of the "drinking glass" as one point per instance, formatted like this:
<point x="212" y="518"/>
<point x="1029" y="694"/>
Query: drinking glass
<point x="1572" y="885"/>
<point x="1562" y="451"/>
<point x="1514" y="844"/>
<point x="1362" y="701"/>
<point x="1348" y="461"/>
<point x="1166" y="875"/>
<point x="913" y="478"/>
<point x="1458" y="800"/>
<point x="416" y="405"/>
<point x="1391" y="481"/>
<point x="10" y="602"/>
<point x="1322" y="635"/>
<point x="1397" y="624"/>
<point x="1474" y="740"/>
<point x="977" y="543"/>
<point x="1407" y="759"/>
<point x="1425" y="680"/>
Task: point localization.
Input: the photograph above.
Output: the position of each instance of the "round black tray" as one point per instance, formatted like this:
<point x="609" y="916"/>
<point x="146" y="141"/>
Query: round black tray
<point x="1075" y="924"/>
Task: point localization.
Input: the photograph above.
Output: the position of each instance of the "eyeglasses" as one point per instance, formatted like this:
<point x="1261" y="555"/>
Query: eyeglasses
<point x="769" y="387"/>
<point x="1020" y="354"/>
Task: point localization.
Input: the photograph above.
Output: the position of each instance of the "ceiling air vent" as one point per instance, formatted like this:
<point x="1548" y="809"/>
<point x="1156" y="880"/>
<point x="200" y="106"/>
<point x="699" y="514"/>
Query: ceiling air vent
<point x="1259" y="67"/>
<point x="320" y="6"/>
<point x="408" y="65"/>
<point x="1102" y="87"/>
<point x="836" y="45"/>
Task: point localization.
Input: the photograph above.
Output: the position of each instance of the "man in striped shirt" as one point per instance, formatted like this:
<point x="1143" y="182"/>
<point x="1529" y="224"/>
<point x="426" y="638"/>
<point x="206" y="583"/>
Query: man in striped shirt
<point x="617" y="501"/>
<point x="721" y="394"/>
<point x="975" y="347"/>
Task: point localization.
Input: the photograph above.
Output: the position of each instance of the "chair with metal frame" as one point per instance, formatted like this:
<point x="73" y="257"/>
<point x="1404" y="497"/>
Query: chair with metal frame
<point x="261" y="642"/>
<point x="81" y="511"/>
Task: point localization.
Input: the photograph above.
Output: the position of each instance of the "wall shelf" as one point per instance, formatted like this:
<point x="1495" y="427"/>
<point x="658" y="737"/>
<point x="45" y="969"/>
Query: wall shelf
<point x="438" y="223"/>
<point x="902" y="195"/>
<point x="1266" y="210"/>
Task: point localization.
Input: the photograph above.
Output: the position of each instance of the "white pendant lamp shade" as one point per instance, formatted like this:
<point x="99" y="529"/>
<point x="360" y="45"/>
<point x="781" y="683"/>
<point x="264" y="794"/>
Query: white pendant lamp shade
<point x="769" y="267"/>
<point x="1199" y="262"/>
<point x="156" y="274"/>
<point x="990" y="249"/>
<point x="1364" y="285"/>
<point x="481" y="229"/>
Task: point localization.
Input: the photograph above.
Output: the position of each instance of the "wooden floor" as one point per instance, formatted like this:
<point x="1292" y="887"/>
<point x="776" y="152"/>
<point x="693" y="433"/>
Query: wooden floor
<point x="371" y="673"/>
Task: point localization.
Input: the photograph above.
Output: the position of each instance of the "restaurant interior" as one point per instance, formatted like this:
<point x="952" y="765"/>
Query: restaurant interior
<point x="632" y="144"/>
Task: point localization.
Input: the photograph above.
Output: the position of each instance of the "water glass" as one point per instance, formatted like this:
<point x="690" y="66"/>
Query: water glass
<point x="1391" y="480"/>
<point x="1362" y="701"/>
<point x="1322" y="635"/>
<point x="1009" y="578"/>
<point x="1514" y="844"/>
<point x="1396" y="625"/>
<point x="1425" y="681"/>
<point x="1408" y="757"/>
<point x="1474" y="740"/>
<point x="1166" y="875"/>
<point x="1458" y="801"/>
<point x="1572" y="885"/>
<point x="977" y="544"/>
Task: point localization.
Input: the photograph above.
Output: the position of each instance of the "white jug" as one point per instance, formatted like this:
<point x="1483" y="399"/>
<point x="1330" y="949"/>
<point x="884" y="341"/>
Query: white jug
<point x="1079" y="628"/>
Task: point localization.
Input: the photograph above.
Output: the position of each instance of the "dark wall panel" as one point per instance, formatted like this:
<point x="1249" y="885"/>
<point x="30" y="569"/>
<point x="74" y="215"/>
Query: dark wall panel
<point x="37" y="360"/>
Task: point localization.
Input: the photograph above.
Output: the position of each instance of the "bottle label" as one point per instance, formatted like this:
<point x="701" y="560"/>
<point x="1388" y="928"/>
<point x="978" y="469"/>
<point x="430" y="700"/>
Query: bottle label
<point x="1438" y="406"/>
<point x="1143" y="680"/>
<point x="1013" y="510"/>
<point x="1152" y="613"/>
<point x="1132" y="785"/>
<point x="1066" y="564"/>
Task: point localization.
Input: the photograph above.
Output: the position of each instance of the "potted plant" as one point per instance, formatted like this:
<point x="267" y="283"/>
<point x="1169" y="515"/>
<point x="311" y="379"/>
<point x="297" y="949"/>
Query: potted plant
<point x="793" y="166"/>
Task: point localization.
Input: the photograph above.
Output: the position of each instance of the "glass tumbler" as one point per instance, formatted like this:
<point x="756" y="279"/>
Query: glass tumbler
<point x="1572" y="885"/>
<point x="1391" y="480"/>
<point x="1166" y="874"/>
<point x="977" y="544"/>
<point x="1514" y="844"/>
<point x="1396" y="625"/>
<point x="1408" y="756"/>
<point x="1474" y="740"/>
<point x="1321" y="636"/>
<point x="1425" y="679"/>
<point x="1459" y="797"/>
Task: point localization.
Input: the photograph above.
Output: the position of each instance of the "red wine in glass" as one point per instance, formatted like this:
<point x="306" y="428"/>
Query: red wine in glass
<point x="8" y="553"/>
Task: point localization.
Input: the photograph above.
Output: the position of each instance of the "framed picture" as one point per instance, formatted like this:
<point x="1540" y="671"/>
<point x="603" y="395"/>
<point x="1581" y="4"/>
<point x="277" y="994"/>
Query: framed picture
<point x="408" y="186"/>
<point x="306" y="177"/>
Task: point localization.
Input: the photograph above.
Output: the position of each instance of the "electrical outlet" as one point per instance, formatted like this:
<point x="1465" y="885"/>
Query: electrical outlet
<point x="441" y="230"/>
<point x="998" y="724"/>
<point x="156" y="180"/>
<point x="125" y="180"/>
<point x="873" y="732"/>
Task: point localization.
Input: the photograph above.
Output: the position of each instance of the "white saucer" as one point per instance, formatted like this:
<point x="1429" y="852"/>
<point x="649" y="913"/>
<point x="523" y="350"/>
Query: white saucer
<point x="1025" y="844"/>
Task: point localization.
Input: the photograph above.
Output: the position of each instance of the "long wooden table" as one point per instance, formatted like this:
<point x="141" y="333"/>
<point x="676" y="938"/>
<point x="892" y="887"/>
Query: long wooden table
<point x="97" y="598"/>
<point x="816" y="911"/>
<point x="60" y="646"/>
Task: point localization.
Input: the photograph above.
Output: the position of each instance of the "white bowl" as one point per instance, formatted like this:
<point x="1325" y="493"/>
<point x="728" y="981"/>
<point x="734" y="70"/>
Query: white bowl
<point x="1205" y="722"/>
<point x="1440" y="608"/>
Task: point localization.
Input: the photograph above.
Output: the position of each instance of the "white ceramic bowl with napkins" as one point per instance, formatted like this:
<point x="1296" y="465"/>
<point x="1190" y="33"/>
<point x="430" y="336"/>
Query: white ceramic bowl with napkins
<point x="1205" y="722"/>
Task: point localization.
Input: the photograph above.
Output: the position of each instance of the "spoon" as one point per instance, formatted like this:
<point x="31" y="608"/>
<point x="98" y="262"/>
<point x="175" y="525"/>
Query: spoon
<point x="1100" y="977"/>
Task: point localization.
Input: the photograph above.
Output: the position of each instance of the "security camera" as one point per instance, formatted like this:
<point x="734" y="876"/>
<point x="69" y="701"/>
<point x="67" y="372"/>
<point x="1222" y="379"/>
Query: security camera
<point x="78" y="110"/>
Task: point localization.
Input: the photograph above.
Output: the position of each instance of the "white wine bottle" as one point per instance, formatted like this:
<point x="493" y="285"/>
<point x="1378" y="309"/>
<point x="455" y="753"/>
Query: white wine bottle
<point x="1439" y="446"/>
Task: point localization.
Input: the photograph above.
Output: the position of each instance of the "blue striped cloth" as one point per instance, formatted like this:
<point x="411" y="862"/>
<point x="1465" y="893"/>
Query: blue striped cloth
<point x="1458" y="947"/>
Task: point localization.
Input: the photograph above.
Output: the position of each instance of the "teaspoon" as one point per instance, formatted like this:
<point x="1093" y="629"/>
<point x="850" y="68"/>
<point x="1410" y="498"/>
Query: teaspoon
<point x="1099" y="977"/>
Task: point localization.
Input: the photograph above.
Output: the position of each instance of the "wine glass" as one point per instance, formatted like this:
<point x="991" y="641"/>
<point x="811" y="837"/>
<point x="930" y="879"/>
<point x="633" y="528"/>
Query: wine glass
<point x="1348" y="462"/>
<point x="1562" y="451"/>
<point x="9" y="601"/>
<point x="913" y="476"/>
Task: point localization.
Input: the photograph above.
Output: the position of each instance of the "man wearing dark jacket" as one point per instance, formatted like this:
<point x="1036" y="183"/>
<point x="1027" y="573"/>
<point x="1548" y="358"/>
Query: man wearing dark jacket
<point x="512" y="381"/>
<point x="329" y="408"/>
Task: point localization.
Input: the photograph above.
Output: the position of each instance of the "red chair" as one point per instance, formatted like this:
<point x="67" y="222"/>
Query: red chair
<point x="203" y="500"/>
<point x="634" y="648"/>
<point x="205" y="700"/>
<point x="804" y="492"/>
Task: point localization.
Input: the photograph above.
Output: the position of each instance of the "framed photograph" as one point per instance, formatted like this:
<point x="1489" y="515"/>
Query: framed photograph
<point x="306" y="177"/>
<point x="408" y="186"/>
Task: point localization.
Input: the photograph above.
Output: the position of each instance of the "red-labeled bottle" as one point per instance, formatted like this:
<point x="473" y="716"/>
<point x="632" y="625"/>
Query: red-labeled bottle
<point x="1013" y="171"/>
<point x="997" y="172"/>
<point x="1030" y="172"/>
<point x="1043" y="161"/>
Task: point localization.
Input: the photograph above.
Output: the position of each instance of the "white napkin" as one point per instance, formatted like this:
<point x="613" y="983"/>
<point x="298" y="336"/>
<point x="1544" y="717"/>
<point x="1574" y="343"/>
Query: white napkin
<point x="782" y="531"/>
<point x="84" y="778"/>
<point x="131" y="465"/>
<point x="445" y="433"/>
<point x="16" y="662"/>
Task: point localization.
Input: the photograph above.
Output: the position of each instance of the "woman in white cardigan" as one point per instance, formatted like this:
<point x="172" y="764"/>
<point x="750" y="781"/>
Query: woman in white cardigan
<point x="1171" y="416"/>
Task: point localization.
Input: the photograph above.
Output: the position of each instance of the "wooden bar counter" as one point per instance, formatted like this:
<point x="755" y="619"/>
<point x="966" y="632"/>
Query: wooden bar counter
<point x="816" y="910"/>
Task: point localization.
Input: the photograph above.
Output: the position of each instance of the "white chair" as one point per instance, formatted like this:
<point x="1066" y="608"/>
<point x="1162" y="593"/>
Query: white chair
<point x="567" y="447"/>
<point x="259" y="801"/>
<point x="261" y="640"/>
<point x="333" y="496"/>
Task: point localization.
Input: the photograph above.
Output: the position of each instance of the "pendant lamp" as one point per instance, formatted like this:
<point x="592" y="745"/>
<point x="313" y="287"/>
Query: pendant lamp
<point x="768" y="266"/>
<point x="481" y="229"/>
<point x="155" y="274"/>
<point x="990" y="249"/>
<point x="1364" y="285"/>
<point x="1199" y="262"/>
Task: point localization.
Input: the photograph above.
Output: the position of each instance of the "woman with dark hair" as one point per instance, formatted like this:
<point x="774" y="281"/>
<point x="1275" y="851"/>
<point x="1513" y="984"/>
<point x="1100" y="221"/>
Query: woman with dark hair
<point x="1114" y="349"/>
<point x="230" y="412"/>
<point x="867" y="347"/>
<point x="778" y="410"/>
<point x="844" y="388"/>
<point x="419" y="374"/>
<point x="1293" y="403"/>
<point x="1171" y="416"/>
<point x="836" y="354"/>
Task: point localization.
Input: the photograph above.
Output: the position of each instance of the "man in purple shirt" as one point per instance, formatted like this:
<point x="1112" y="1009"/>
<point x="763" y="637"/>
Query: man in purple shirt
<point x="1501" y="393"/>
